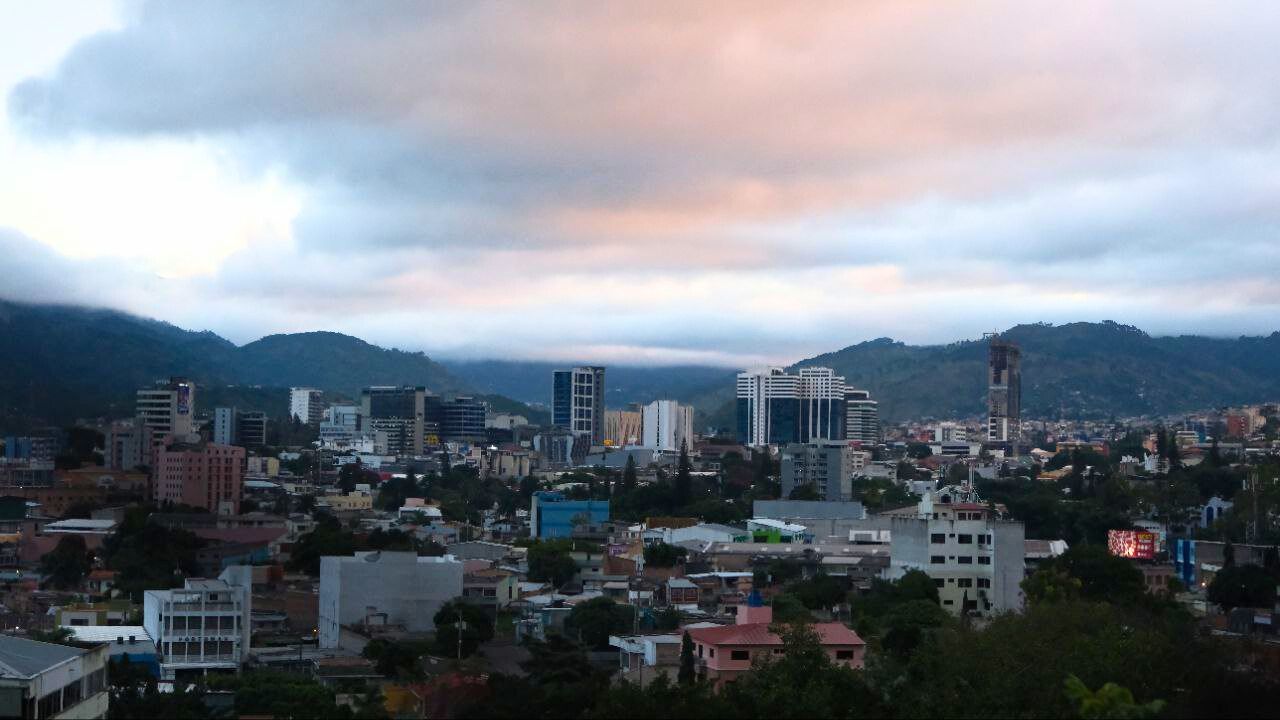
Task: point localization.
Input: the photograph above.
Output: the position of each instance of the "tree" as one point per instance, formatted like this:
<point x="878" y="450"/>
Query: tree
<point x="908" y="623"/>
<point x="687" y="674"/>
<point x="1109" y="701"/>
<point x="1243" y="586"/>
<point x="820" y="592"/>
<point x="1049" y="585"/>
<point x="664" y="555"/>
<point x="682" y="491"/>
<point x="1102" y="576"/>
<point x="67" y="564"/>
<point x="629" y="474"/>
<point x="549" y="561"/>
<point x="806" y="491"/>
<point x="477" y="628"/>
<point x="667" y="619"/>
<point x="787" y="608"/>
<point x="598" y="618"/>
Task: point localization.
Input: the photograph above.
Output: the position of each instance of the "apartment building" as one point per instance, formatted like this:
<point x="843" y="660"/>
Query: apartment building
<point x="193" y="472"/>
<point x="199" y="628"/>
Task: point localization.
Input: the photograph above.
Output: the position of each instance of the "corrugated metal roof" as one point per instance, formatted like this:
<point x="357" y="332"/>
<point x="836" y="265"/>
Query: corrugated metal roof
<point x="108" y="633"/>
<point x="22" y="658"/>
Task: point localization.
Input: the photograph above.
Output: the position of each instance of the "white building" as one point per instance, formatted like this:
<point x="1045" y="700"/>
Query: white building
<point x="392" y="588"/>
<point x="666" y="425"/>
<point x="775" y="408"/>
<point x="306" y="404"/>
<point x="862" y="417"/>
<point x="168" y="407"/>
<point x="977" y="562"/>
<point x="43" y="680"/>
<point x="224" y="426"/>
<point x="948" y="432"/>
<point x="200" y="627"/>
<point x="505" y="421"/>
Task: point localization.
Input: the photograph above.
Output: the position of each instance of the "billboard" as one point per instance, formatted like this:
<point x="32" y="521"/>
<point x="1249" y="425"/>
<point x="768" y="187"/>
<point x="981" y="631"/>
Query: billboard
<point x="184" y="399"/>
<point x="1134" y="544"/>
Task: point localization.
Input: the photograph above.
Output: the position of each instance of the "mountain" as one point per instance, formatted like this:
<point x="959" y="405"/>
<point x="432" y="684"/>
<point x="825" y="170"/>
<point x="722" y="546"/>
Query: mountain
<point x="61" y="362"/>
<point x="530" y="382"/>
<point x="1086" y="370"/>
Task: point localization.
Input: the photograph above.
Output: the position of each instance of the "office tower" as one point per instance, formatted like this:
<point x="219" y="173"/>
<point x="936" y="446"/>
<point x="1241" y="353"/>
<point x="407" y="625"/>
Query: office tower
<point x="305" y="404"/>
<point x="862" y="417"/>
<point x="577" y="402"/>
<point x="168" y="407"/>
<point x="776" y="408"/>
<point x="242" y="429"/>
<point x="462" y="418"/>
<point x="400" y="412"/>
<point x="340" y="423"/>
<point x="1004" y="391"/>
<point x="667" y="425"/>
<point x="623" y="428"/>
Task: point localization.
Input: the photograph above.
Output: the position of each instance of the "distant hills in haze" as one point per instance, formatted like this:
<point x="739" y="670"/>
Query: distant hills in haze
<point x="59" y="363"/>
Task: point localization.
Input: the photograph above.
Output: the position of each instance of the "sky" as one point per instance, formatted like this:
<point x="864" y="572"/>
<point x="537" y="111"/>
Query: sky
<point x="729" y="183"/>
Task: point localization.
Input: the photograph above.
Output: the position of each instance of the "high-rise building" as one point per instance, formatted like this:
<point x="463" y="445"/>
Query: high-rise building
<point x="862" y="417"/>
<point x="829" y="466"/>
<point x="623" y="428"/>
<point x="776" y="408"/>
<point x="306" y="404"/>
<point x="340" y="423"/>
<point x="577" y="402"/>
<point x="1004" y="391"/>
<point x="199" y="474"/>
<point x="400" y="412"/>
<point x="128" y="444"/>
<point x="667" y="425"/>
<point x="168" y="408"/>
<point x="243" y="429"/>
<point x="462" y="418"/>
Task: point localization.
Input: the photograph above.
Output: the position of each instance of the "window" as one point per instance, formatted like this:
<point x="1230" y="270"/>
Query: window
<point x="937" y="559"/>
<point x="964" y="582"/>
<point x="965" y="559"/>
<point x="844" y="654"/>
<point x="984" y="583"/>
<point x="699" y="649"/>
<point x="739" y="655"/>
<point x="937" y="538"/>
<point x="984" y="539"/>
<point x="938" y="582"/>
<point x="984" y="559"/>
<point x="965" y="539"/>
<point x="711" y="652"/>
<point x="948" y="602"/>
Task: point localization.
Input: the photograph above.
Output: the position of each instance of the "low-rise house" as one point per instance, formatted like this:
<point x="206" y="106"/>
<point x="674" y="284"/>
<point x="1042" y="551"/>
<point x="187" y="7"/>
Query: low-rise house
<point x="682" y="592"/>
<point x="491" y="588"/>
<point x="725" y="653"/>
<point x="111" y="612"/>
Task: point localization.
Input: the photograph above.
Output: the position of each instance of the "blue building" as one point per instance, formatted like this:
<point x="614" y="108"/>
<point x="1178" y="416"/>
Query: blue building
<point x="552" y="515"/>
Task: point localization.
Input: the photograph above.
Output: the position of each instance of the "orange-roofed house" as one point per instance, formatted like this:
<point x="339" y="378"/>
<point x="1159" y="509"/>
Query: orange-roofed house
<point x="726" y="652"/>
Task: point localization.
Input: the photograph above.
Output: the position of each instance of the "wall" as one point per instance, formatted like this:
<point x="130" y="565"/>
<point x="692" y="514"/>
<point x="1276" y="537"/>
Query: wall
<point x="408" y="588"/>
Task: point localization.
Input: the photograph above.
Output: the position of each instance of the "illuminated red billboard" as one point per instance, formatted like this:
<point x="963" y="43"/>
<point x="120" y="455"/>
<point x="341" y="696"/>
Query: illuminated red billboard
<point x="1135" y="544"/>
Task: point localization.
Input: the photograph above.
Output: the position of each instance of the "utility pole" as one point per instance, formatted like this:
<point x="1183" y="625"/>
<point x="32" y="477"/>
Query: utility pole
<point x="462" y="625"/>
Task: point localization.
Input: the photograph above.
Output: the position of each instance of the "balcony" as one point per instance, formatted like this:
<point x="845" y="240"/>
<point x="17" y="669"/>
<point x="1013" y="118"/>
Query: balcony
<point x="198" y="659"/>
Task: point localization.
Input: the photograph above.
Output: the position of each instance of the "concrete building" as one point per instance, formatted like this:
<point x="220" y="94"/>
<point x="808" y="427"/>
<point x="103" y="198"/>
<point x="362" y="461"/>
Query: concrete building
<point x="200" y="474"/>
<point x="224" y="426"/>
<point x="551" y="515"/>
<point x="829" y="466"/>
<point x="390" y="588"/>
<point x="168" y="408"/>
<point x="623" y="428"/>
<point x="242" y="429"/>
<point x="505" y="421"/>
<point x="776" y="408"/>
<point x="505" y="464"/>
<point x="199" y="628"/>
<point x="462" y="419"/>
<point x="122" y="641"/>
<point x="1004" y="391"/>
<point x="577" y="402"/>
<point x="862" y="417"/>
<point x="42" y="680"/>
<point x="949" y="432"/>
<point x="976" y="561"/>
<point x="128" y="444"/>
<point x="306" y="404"/>
<point x="667" y="425"/>
<point x="400" y="412"/>
<point x="340" y="423"/>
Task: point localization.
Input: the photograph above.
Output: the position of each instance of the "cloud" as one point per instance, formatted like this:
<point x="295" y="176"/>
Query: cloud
<point x="721" y="180"/>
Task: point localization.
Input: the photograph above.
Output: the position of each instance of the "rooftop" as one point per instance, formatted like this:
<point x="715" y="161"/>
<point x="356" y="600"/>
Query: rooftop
<point x="759" y="634"/>
<point x="22" y="658"/>
<point x="108" y="633"/>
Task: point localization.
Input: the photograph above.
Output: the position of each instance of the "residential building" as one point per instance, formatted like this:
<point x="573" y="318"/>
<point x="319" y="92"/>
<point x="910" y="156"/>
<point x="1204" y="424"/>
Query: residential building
<point x="862" y="417"/>
<point x="169" y="407"/>
<point x="199" y="628"/>
<point x="128" y="445"/>
<point x="726" y="652"/>
<point x="949" y="432"/>
<point x="42" y="680"/>
<point x="577" y="402"/>
<point x="392" y="588"/>
<point x="1004" y="391"/>
<point x="977" y="562"/>
<point x="829" y="466"/>
<point x="623" y="428"/>
<point x="776" y="408"/>
<point x="306" y="405"/>
<point x="192" y="472"/>
<point x="667" y="425"/>
<point x="491" y="588"/>
<point x="400" y="412"/>
<point x="224" y="426"/>
<point x="553" y="516"/>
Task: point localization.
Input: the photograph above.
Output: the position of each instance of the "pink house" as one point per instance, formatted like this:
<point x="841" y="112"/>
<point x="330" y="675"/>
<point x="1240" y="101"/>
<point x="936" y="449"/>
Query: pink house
<point x="726" y="652"/>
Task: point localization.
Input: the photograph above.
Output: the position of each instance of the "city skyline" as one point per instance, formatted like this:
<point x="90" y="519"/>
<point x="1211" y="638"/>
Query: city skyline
<point x="736" y="185"/>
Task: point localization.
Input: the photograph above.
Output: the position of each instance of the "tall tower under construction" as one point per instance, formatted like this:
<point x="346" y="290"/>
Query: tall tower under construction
<point x="1004" y="392"/>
